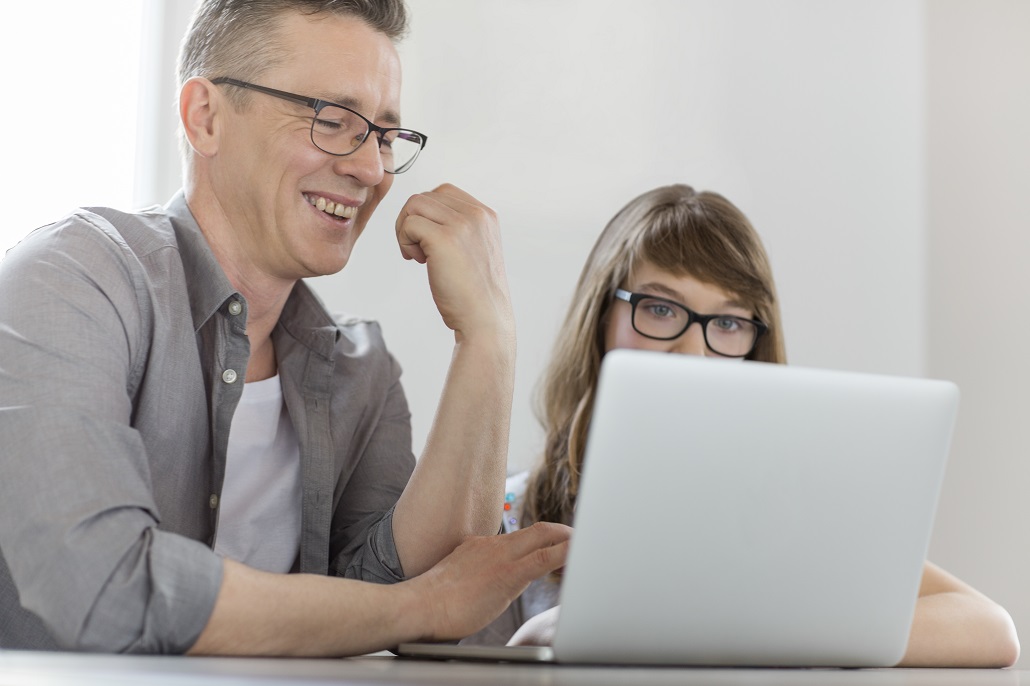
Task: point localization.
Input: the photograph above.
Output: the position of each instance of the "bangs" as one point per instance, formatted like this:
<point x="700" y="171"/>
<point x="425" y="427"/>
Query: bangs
<point x="708" y="248"/>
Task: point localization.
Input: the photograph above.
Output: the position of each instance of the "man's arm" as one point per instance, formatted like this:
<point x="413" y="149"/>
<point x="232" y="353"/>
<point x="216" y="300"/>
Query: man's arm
<point x="459" y="480"/>
<point x="79" y="522"/>
<point x="258" y="613"/>
<point x="957" y="626"/>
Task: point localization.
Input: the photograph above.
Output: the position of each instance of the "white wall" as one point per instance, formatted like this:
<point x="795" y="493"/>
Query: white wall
<point x="808" y="115"/>
<point x="159" y="172"/>
<point x="69" y="107"/>
<point x="978" y="170"/>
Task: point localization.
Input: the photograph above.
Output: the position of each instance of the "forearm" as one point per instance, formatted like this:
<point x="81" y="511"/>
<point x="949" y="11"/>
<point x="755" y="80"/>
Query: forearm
<point x="258" y="613"/>
<point x="957" y="626"/>
<point x="957" y="629"/>
<point x="458" y="482"/>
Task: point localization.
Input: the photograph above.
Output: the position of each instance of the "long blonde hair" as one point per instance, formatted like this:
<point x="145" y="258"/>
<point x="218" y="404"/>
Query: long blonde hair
<point x="680" y="231"/>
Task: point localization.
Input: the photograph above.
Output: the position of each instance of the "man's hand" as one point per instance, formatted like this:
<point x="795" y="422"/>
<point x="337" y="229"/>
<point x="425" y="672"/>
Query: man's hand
<point x="258" y="613"/>
<point x="458" y="239"/>
<point x="473" y="585"/>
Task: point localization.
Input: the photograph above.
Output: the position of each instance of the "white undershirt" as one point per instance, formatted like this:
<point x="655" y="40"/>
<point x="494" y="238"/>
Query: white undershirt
<point x="259" y="518"/>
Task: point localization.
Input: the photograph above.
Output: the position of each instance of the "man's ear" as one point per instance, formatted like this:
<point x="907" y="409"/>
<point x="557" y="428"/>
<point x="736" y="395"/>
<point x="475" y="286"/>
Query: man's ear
<point x="199" y="103"/>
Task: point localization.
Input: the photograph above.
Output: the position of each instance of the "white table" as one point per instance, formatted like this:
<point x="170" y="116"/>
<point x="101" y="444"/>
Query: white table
<point x="19" y="668"/>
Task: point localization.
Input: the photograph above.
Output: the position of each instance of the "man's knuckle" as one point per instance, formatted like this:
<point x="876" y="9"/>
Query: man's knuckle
<point x="542" y="558"/>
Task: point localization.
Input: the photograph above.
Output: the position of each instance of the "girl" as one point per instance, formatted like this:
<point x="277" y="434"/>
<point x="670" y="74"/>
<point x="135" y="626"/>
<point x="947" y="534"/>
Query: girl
<point x="665" y="264"/>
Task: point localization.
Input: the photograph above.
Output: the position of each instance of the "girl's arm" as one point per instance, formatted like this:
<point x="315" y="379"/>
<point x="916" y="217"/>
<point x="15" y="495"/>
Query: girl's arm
<point x="957" y="626"/>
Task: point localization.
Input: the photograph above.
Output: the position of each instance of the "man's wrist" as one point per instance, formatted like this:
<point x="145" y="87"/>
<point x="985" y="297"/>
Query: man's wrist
<point x="496" y="353"/>
<point x="411" y="620"/>
<point x="498" y="336"/>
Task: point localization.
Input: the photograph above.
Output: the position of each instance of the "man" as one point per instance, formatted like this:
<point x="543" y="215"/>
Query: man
<point x="139" y="468"/>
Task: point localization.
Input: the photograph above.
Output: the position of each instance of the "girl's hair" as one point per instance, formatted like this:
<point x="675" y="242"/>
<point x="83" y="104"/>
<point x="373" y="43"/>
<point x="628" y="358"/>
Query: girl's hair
<point x="676" y="229"/>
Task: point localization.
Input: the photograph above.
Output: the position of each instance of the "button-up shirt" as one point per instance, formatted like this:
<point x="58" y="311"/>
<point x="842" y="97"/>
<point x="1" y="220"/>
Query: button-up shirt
<point x="123" y="349"/>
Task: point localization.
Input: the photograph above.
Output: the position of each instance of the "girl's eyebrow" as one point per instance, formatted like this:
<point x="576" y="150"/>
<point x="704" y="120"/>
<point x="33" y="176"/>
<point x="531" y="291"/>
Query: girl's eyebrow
<point x="661" y="288"/>
<point x="672" y="294"/>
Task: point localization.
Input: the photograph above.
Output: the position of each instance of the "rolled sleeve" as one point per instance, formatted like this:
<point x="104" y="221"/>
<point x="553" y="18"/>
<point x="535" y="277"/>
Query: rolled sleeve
<point x="377" y="560"/>
<point x="362" y="541"/>
<point x="88" y="558"/>
<point x="158" y="599"/>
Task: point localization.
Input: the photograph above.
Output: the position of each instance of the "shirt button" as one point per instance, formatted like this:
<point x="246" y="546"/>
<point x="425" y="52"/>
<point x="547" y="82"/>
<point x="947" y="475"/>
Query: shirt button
<point x="229" y="376"/>
<point x="213" y="502"/>
<point x="235" y="307"/>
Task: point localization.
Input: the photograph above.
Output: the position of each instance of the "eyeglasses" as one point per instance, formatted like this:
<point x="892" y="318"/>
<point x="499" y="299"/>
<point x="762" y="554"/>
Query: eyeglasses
<point x="664" y="320"/>
<point x="339" y="130"/>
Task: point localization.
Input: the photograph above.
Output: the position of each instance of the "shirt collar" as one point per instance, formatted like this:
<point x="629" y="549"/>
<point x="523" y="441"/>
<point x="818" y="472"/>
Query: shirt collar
<point x="305" y="318"/>
<point x="206" y="283"/>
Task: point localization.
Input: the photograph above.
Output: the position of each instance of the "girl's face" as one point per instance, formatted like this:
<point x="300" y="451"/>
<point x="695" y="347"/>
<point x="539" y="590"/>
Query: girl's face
<point x="703" y="298"/>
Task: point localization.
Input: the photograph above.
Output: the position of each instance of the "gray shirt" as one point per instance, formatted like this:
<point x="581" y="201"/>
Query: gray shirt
<point x="122" y="357"/>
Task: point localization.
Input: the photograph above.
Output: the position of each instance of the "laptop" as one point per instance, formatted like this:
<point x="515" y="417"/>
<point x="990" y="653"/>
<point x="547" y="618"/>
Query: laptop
<point x="746" y="514"/>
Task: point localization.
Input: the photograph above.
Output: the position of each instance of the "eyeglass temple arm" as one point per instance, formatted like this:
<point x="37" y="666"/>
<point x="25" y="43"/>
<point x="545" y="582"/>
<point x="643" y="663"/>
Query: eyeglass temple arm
<point x="310" y="102"/>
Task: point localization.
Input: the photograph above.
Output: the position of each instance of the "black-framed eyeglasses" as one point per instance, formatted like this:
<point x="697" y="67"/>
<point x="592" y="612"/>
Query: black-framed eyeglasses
<point x="663" y="320"/>
<point x="339" y="130"/>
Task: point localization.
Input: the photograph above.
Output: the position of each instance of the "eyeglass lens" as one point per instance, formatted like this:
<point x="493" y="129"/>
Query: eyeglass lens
<point x="339" y="132"/>
<point x="726" y="335"/>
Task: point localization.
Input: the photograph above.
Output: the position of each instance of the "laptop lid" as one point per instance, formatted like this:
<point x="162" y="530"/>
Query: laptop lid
<point x="744" y="513"/>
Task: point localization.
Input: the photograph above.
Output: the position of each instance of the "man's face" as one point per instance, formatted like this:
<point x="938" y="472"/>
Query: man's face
<point x="281" y="195"/>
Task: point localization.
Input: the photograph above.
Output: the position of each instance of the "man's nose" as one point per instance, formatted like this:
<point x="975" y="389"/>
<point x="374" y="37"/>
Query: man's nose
<point x="364" y="164"/>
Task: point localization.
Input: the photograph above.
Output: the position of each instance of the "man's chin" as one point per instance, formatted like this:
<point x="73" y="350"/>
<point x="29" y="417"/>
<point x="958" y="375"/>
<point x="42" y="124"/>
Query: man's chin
<point x="332" y="262"/>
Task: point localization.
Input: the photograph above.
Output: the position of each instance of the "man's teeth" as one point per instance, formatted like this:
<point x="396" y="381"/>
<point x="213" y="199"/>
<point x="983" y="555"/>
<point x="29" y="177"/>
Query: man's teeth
<point x="329" y="207"/>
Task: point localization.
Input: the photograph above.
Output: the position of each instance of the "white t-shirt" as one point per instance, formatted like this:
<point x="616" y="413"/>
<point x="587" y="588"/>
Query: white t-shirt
<point x="260" y="504"/>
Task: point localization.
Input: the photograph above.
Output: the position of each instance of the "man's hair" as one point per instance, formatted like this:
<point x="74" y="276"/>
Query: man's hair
<point x="238" y="38"/>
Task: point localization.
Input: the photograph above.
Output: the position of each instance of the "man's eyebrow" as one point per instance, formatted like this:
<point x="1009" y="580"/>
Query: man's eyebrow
<point x="389" y="117"/>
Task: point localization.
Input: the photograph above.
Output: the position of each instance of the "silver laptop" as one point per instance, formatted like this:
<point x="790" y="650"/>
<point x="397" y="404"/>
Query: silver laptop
<point x="747" y="514"/>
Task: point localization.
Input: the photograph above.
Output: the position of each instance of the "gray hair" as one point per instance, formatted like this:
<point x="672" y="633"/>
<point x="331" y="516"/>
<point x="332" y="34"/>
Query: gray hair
<point x="238" y="38"/>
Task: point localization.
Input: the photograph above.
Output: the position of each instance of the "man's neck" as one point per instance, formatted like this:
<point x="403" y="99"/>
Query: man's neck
<point x="265" y="294"/>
